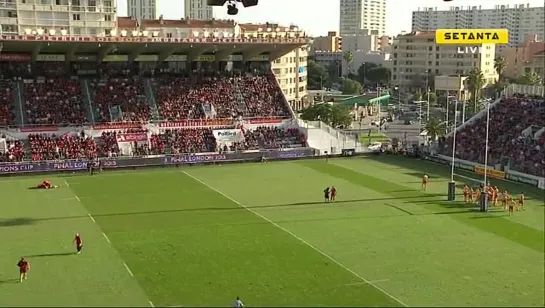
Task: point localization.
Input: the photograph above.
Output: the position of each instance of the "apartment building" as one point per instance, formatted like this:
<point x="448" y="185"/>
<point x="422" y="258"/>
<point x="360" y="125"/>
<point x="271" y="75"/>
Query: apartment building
<point x="536" y="65"/>
<point x="516" y="57"/>
<point x="416" y="55"/>
<point x="142" y="9"/>
<point x="197" y="9"/>
<point x="58" y="17"/>
<point x="520" y="20"/>
<point x="358" y="15"/>
<point x="330" y="43"/>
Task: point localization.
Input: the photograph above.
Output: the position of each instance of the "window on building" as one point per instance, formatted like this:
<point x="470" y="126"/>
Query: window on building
<point x="107" y="17"/>
<point x="76" y="17"/>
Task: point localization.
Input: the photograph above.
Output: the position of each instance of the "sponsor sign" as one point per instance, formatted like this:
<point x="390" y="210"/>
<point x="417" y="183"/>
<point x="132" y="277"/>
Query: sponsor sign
<point x="228" y="135"/>
<point x="260" y="58"/>
<point x="38" y="129"/>
<point x="197" y="123"/>
<point x="15" y="57"/>
<point x="265" y="121"/>
<point x="132" y="137"/>
<point x="490" y="172"/>
<point x="147" y="58"/>
<point x="74" y="165"/>
<point x="50" y="58"/>
<point x="206" y="58"/>
<point x="522" y="179"/>
<point x="86" y="58"/>
<point x="176" y="58"/>
<point x="116" y="58"/>
<point x="471" y="36"/>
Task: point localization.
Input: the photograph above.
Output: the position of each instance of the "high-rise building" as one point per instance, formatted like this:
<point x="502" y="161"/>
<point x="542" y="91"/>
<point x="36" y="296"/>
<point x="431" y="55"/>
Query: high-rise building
<point x="356" y="15"/>
<point x="520" y="20"/>
<point x="416" y="58"/>
<point x="197" y="9"/>
<point x="142" y="9"/>
<point x="58" y="17"/>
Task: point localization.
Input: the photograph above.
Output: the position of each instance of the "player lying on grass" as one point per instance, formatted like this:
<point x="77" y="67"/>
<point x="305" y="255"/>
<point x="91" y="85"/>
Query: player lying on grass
<point x="46" y="184"/>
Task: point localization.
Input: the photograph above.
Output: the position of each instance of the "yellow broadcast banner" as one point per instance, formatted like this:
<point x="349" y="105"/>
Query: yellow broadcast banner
<point x="490" y="172"/>
<point x="471" y="36"/>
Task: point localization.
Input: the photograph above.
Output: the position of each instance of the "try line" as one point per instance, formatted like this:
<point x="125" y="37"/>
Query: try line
<point x="299" y="239"/>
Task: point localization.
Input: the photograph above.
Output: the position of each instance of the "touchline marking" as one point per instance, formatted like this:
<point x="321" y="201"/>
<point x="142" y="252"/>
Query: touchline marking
<point x="151" y="304"/>
<point x="370" y="282"/>
<point x="300" y="239"/>
<point x="129" y="270"/>
<point x="67" y="185"/>
<point x="106" y="237"/>
<point x="77" y="198"/>
<point x="92" y="218"/>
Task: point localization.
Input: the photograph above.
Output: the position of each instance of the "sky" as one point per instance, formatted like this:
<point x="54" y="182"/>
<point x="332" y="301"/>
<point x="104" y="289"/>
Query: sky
<point x="317" y="17"/>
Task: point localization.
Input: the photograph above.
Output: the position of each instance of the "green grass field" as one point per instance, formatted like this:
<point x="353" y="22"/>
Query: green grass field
<point x="200" y="236"/>
<point x="374" y="137"/>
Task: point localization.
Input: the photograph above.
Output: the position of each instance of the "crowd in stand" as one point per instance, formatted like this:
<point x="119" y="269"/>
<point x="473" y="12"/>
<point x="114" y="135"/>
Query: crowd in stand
<point x="53" y="102"/>
<point x="178" y="141"/>
<point x="14" y="151"/>
<point x="67" y="146"/>
<point x="262" y="96"/>
<point x="508" y="120"/>
<point x="6" y="103"/>
<point x="126" y="93"/>
<point x="263" y="138"/>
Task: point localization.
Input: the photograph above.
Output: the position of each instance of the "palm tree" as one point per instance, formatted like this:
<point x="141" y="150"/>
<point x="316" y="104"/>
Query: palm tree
<point x="499" y="66"/>
<point x="435" y="128"/>
<point x="529" y="79"/>
<point x="349" y="58"/>
<point x="475" y="83"/>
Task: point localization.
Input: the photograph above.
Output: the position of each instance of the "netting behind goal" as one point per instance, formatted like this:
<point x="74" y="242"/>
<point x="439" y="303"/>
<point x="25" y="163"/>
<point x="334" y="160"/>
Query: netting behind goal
<point x="472" y="182"/>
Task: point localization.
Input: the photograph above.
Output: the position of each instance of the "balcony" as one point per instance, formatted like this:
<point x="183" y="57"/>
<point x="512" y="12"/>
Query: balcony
<point x="8" y="21"/>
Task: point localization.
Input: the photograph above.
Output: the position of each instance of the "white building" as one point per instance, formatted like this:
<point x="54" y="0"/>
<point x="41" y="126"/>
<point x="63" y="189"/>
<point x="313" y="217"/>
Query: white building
<point x="68" y="17"/>
<point x="142" y="9"/>
<point x="520" y="20"/>
<point x="197" y="9"/>
<point x="358" y="15"/>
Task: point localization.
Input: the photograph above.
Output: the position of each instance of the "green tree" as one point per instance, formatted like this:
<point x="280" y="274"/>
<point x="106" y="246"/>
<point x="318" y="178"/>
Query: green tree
<point x="418" y="96"/>
<point x="317" y="76"/>
<point x="435" y="128"/>
<point x="529" y="79"/>
<point x="363" y="70"/>
<point x="380" y="75"/>
<point x="499" y="66"/>
<point x="475" y="83"/>
<point x="340" y="116"/>
<point x="432" y="96"/>
<point x="350" y="87"/>
<point x="334" y="71"/>
<point x="317" y="112"/>
<point x="349" y="59"/>
<point x="333" y="115"/>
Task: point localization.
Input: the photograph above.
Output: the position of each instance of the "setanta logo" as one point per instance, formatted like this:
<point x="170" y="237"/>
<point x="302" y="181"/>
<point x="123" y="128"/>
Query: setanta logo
<point x="471" y="36"/>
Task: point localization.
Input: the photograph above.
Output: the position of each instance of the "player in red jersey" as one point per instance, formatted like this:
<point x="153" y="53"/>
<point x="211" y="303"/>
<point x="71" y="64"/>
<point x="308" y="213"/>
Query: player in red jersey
<point x="79" y="243"/>
<point x="24" y="267"/>
<point x="46" y="184"/>
<point x="332" y="194"/>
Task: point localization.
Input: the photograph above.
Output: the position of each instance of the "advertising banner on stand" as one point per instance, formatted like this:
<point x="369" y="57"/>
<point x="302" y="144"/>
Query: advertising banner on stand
<point x="228" y="135"/>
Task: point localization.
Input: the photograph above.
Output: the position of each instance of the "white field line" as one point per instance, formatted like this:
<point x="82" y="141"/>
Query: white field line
<point x="67" y="185"/>
<point x="300" y="239"/>
<point x="151" y="304"/>
<point x="92" y="218"/>
<point x="370" y="282"/>
<point x="128" y="269"/>
<point x="106" y="237"/>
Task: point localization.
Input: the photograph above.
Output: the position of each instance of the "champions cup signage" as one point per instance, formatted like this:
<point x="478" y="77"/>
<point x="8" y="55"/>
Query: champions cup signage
<point x="471" y="36"/>
<point x="228" y="135"/>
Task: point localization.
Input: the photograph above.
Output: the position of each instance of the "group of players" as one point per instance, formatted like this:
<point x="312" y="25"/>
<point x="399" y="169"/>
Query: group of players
<point x="330" y="194"/>
<point x="472" y="195"/>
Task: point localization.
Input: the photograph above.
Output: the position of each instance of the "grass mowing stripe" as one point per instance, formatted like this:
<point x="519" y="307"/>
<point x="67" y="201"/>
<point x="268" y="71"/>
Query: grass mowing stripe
<point x="298" y="238"/>
<point x="498" y="225"/>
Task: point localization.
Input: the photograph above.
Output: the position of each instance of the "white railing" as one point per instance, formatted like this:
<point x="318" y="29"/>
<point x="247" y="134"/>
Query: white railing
<point x="513" y="89"/>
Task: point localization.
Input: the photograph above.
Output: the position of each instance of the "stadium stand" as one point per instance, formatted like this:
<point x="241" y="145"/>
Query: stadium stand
<point x="262" y="96"/>
<point x="508" y="120"/>
<point x="188" y="140"/>
<point x="54" y="101"/>
<point x="6" y="103"/>
<point x="14" y="151"/>
<point x="127" y="93"/>
<point x="66" y="146"/>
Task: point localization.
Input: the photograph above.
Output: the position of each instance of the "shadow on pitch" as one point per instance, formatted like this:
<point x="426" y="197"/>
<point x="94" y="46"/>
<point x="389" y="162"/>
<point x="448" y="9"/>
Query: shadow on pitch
<point x="11" y="280"/>
<point x="52" y="254"/>
<point x="22" y="221"/>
